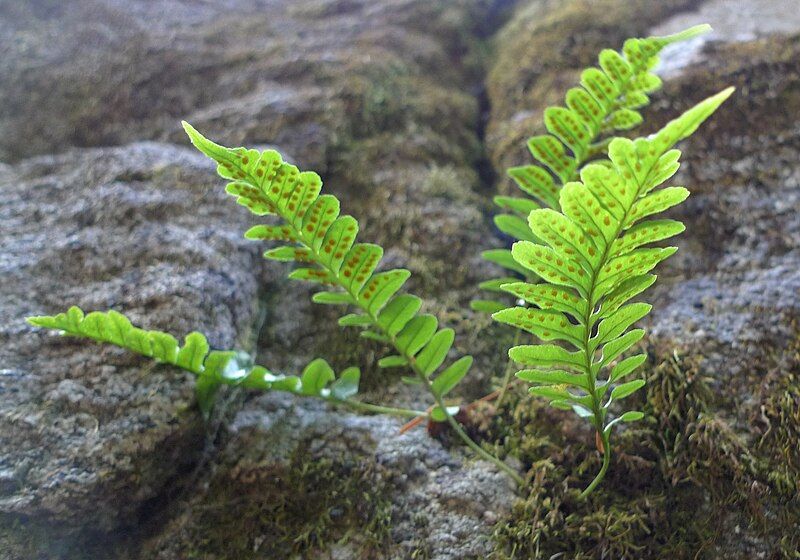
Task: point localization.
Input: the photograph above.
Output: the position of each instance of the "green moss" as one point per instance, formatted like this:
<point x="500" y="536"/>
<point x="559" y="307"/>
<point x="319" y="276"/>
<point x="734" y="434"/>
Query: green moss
<point x="682" y="480"/>
<point x="301" y="510"/>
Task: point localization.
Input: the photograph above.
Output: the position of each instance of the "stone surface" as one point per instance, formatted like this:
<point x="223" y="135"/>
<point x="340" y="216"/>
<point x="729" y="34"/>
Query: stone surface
<point x="729" y="301"/>
<point x="90" y="435"/>
<point x="377" y="97"/>
<point x="439" y="503"/>
<point x="103" y="455"/>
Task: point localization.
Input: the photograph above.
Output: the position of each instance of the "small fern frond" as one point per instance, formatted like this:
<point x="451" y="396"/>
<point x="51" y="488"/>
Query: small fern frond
<point x="606" y="101"/>
<point x="324" y="244"/>
<point x="213" y="368"/>
<point x="592" y="260"/>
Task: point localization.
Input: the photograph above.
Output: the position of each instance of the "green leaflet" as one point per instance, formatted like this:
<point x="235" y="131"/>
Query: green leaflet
<point x="270" y="233"/>
<point x="607" y="101"/>
<point x="548" y="356"/>
<point x="316" y="376"/>
<point x="398" y="313"/>
<point x="619" y="269"/>
<point x="393" y="361"/>
<point x="522" y="206"/>
<point x="565" y="236"/>
<point x="504" y="258"/>
<point x="547" y="325"/>
<point x="550" y="266"/>
<point x="497" y="285"/>
<point x="553" y="377"/>
<point x="536" y="182"/>
<point x="486" y="306"/>
<point x="380" y="288"/>
<point x="212" y="368"/>
<point x="593" y="258"/>
<point x="645" y="233"/>
<point x="435" y="351"/>
<point x="416" y="334"/>
<point x="547" y="296"/>
<point x="514" y="226"/>
<point x="358" y="266"/>
<point x="450" y="377"/>
<point x="626" y="366"/>
<point x="628" y="289"/>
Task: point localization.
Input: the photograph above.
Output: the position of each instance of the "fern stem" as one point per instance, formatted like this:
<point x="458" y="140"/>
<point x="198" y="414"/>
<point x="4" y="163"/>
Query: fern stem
<point x="600" y="475"/>
<point x="314" y="253"/>
<point x="481" y="452"/>
<point x="509" y="371"/>
<point x="378" y="409"/>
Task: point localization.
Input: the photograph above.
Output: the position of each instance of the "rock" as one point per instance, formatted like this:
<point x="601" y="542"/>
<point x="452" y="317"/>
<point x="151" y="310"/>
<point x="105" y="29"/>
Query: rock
<point x="737" y="277"/>
<point x="377" y="97"/>
<point x="91" y="435"/>
<point x="728" y="301"/>
<point x="104" y="456"/>
<point x="392" y="493"/>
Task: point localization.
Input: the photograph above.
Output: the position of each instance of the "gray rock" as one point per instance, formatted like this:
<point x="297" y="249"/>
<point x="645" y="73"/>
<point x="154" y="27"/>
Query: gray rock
<point x="373" y="95"/>
<point x="439" y="502"/>
<point x="88" y="434"/>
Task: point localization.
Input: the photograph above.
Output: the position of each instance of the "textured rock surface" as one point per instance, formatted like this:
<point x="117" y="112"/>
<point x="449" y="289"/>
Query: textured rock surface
<point x="90" y="435"/>
<point x="103" y="455"/>
<point x="376" y="97"/>
<point x="729" y="302"/>
<point x="438" y="504"/>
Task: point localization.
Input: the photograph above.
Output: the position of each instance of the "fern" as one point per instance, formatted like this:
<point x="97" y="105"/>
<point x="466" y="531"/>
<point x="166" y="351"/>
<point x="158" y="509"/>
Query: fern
<point x="592" y="257"/>
<point x="607" y="101"/>
<point x="312" y="233"/>
<point x="213" y="368"/>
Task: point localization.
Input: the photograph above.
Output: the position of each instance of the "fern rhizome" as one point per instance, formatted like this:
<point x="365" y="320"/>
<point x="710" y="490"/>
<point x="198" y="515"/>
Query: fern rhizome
<point x="581" y="254"/>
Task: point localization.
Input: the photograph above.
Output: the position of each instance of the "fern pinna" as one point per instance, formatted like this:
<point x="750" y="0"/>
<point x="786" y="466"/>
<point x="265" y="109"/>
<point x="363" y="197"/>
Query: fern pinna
<point x="324" y="244"/>
<point x="213" y="368"/>
<point x="592" y="258"/>
<point x="605" y="102"/>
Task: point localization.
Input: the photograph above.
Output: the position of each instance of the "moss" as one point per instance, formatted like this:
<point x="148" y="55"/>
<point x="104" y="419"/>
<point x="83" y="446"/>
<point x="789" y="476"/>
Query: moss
<point x="301" y="510"/>
<point x="681" y="481"/>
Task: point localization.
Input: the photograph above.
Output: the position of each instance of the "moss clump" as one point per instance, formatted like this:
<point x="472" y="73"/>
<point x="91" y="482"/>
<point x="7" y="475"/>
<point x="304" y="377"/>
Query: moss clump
<point x="252" y="513"/>
<point x="683" y="485"/>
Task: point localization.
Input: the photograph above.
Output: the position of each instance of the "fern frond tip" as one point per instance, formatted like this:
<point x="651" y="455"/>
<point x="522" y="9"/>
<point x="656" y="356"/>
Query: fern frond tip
<point x="687" y="34"/>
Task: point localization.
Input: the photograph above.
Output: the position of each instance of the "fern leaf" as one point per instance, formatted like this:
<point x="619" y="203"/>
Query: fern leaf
<point x="549" y="265"/>
<point x="327" y="242"/>
<point x="548" y="356"/>
<point x="545" y="296"/>
<point x="644" y="234"/>
<point x="606" y="102"/>
<point x="213" y="368"/>
<point x="316" y="376"/>
<point x="594" y="259"/>
<point x="398" y="313"/>
<point x="435" y="351"/>
<point x="521" y="206"/>
<point x="486" y="306"/>
<point x="450" y="377"/>
<point x="547" y="325"/>
<point x="380" y="288"/>
<point x="416" y="334"/>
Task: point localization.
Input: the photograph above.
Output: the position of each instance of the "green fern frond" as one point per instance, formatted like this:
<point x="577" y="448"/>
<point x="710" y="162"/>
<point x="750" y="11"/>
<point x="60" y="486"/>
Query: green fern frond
<point x="318" y="236"/>
<point x="592" y="260"/>
<point x="606" y="101"/>
<point x="213" y="368"/>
